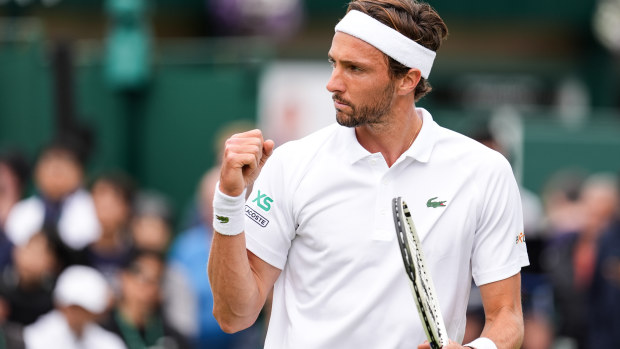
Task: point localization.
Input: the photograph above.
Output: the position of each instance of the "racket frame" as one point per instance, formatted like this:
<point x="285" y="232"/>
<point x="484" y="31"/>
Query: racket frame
<point x="420" y="280"/>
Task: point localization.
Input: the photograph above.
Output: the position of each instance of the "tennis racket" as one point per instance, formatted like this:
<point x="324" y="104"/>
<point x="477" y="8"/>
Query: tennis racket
<point x="419" y="277"/>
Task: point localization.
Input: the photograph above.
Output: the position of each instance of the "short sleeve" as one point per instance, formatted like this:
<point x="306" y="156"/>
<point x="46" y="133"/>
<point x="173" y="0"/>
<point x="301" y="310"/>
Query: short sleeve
<point x="499" y="249"/>
<point x="269" y="222"/>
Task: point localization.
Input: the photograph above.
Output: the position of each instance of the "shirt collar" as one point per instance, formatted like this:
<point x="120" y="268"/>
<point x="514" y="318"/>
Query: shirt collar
<point x="420" y="150"/>
<point x="353" y="150"/>
<point x="422" y="146"/>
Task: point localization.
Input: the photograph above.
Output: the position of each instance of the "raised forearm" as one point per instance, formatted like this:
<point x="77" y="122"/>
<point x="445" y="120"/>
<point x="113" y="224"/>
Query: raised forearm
<point x="239" y="280"/>
<point x="237" y="299"/>
<point x="503" y="313"/>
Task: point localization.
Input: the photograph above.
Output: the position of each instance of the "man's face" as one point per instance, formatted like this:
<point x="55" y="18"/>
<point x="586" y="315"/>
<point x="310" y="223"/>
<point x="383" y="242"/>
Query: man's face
<point x="361" y="87"/>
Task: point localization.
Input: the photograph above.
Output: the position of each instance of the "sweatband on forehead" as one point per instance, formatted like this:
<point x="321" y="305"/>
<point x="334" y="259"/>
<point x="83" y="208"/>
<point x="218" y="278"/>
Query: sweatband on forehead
<point x="388" y="41"/>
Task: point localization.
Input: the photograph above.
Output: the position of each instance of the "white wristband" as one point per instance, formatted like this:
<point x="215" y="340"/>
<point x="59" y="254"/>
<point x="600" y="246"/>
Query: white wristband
<point x="228" y="212"/>
<point x="481" y="343"/>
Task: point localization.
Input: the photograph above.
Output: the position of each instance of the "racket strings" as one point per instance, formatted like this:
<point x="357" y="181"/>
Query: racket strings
<point x="415" y="267"/>
<point x="411" y="261"/>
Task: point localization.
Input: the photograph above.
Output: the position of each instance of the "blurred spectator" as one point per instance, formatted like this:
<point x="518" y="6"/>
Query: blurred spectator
<point x="14" y="172"/>
<point x="81" y="295"/>
<point x="571" y="257"/>
<point x="137" y="318"/>
<point x="561" y="203"/>
<point x="26" y="285"/>
<point x="60" y="201"/>
<point x="605" y="291"/>
<point x="599" y="201"/>
<point x="150" y="225"/>
<point x="113" y="195"/>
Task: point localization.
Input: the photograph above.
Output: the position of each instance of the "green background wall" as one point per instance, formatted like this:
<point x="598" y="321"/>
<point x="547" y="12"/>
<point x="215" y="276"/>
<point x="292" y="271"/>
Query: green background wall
<point x="164" y="136"/>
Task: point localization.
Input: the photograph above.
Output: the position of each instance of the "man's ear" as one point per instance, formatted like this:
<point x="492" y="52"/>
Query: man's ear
<point x="409" y="81"/>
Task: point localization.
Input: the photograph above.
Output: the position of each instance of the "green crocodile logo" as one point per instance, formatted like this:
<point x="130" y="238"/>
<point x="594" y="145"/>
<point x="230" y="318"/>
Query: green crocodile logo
<point x="222" y="219"/>
<point x="435" y="204"/>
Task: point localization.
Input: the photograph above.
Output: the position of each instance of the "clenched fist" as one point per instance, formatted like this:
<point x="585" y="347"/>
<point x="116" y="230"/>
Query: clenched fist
<point x="244" y="156"/>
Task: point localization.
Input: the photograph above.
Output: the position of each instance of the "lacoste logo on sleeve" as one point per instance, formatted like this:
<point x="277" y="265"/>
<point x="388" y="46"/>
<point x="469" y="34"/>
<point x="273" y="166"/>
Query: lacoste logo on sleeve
<point x="222" y="219"/>
<point x="256" y="217"/>
<point x="434" y="204"/>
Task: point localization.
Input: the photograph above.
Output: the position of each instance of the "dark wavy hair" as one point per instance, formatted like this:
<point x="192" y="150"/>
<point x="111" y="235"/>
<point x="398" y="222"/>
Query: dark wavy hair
<point x="417" y="21"/>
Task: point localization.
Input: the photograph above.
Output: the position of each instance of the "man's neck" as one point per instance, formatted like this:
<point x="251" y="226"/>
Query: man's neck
<point x="392" y="138"/>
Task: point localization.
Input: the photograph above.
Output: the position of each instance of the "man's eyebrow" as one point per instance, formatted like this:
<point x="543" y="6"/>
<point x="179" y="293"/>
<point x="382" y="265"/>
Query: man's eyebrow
<point x="360" y="64"/>
<point x="346" y="61"/>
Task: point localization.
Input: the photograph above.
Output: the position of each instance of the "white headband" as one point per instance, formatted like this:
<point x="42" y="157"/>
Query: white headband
<point x="388" y="41"/>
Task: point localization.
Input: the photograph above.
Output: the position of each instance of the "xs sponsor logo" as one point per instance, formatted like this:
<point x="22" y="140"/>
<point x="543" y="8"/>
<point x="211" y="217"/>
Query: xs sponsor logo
<point x="520" y="238"/>
<point x="256" y="217"/>
<point x="263" y="201"/>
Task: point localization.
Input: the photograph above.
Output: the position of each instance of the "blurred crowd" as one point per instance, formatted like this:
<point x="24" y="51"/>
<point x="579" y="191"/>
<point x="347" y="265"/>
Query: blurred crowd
<point x="96" y="261"/>
<point x="571" y="290"/>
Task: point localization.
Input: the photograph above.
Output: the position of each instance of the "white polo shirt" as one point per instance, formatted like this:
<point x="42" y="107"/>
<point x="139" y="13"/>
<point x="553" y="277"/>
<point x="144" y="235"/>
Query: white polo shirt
<point x="321" y="212"/>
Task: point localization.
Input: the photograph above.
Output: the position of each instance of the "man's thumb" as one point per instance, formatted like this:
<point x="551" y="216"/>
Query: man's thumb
<point x="268" y="146"/>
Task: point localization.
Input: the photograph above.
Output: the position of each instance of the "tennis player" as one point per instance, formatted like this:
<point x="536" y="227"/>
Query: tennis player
<point x="317" y="226"/>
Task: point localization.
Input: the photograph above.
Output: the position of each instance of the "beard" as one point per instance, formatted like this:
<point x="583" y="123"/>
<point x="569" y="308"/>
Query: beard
<point x="370" y="113"/>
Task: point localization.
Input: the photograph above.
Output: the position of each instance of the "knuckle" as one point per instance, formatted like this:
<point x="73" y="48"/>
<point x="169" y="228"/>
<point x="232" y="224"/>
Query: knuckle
<point x="229" y="142"/>
<point x="228" y="156"/>
<point x="257" y="149"/>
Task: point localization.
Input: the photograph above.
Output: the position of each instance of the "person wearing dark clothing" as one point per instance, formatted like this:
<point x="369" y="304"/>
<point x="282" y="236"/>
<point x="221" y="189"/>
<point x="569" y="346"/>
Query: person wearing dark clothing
<point x="571" y="260"/>
<point x="14" y="173"/>
<point x="604" y="318"/>
<point x="6" y="250"/>
<point x="137" y="318"/>
<point x="26" y="286"/>
<point x="113" y="196"/>
<point x="569" y="294"/>
<point x="59" y="202"/>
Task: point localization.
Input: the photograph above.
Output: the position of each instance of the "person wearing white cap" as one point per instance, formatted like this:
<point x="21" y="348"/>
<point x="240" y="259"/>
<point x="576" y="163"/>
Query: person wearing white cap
<point x="318" y="225"/>
<point x="81" y="295"/>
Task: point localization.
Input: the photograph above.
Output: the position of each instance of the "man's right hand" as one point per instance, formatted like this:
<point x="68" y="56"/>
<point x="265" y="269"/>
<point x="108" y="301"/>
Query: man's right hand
<point x="244" y="156"/>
